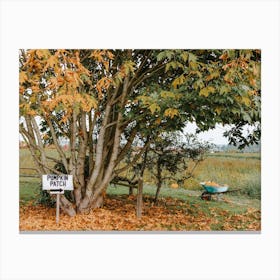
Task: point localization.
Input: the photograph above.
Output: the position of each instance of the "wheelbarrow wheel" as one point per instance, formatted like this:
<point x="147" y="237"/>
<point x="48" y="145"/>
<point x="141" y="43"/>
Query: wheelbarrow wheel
<point x="206" y="196"/>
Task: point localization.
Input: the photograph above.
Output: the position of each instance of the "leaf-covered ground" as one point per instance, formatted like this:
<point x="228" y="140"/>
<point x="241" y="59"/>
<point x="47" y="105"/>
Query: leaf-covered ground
<point x="118" y="214"/>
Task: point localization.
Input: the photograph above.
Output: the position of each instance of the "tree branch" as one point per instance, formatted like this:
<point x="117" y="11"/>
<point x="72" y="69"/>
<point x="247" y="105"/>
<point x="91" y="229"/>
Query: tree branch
<point x="57" y="146"/>
<point x="100" y="146"/>
<point x="145" y="75"/>
<point x="137" y="156"/>
<point x="39" y="140"/>
<point x="146" y="57"/>
<point x="92" y="123"/>
<point x="32" y="148"/>
<point x="127" y="145"/>
<point x="72" y="163"/>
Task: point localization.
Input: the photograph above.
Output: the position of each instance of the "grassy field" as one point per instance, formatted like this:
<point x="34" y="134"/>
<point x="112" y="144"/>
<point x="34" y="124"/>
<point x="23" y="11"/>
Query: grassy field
<point x="239" y="171"/>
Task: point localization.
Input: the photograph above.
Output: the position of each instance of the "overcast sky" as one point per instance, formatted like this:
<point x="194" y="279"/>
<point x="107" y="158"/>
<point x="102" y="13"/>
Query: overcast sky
<point x="214" y="136"/>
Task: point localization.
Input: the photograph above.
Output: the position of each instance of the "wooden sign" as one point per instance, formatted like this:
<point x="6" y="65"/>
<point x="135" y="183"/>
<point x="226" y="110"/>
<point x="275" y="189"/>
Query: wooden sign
<point x="57" y="183"/>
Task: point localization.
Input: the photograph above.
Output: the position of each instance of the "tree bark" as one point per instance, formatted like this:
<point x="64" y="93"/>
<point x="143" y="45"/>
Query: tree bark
<point x="130" y="192"/>
<point x="56" y="143"/>
<point x="140" y="185"/>
<point x="159" y="182"/>
<point x="90" y="139"/>
<point x="80" y="169"/>
<point x="66" y="206"/>
<point x="139" y="206"/>
<point x="157" y="192"/>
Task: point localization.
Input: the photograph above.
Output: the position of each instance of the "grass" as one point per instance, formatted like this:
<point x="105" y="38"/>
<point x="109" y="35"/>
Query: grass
<point x="229" y="203"/>
<point x="29" y="190"/>
<point x="238" y="170"/>
<point x="26" y="163"/>
<point x="235" y="155"/>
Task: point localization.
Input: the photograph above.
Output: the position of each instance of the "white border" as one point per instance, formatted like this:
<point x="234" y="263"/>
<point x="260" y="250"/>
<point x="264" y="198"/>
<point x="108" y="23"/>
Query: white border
<point x="124" y="24"/>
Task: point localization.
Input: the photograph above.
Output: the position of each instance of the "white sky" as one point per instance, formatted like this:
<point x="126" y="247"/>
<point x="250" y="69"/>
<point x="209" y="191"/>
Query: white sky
<point x="214" y="136"/>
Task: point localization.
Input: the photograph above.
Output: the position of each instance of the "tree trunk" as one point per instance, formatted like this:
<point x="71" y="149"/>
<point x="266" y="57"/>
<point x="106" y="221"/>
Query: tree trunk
<point x="139" y="206"/>
<point x="90" y="193"/>
<point x="98" y="202"/>
<point x="157" y="191"/>
<point x="130" y="191"/>
<point x="67" y="206"/>
<point x="159" y="182"/>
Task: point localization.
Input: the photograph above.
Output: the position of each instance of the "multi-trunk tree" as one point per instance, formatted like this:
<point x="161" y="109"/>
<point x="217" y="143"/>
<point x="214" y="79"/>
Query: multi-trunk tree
<point x="102" y="101"/>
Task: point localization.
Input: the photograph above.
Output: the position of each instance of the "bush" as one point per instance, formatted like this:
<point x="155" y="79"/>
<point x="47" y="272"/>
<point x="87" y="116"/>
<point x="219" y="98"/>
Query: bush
<point x="46" y="199"/>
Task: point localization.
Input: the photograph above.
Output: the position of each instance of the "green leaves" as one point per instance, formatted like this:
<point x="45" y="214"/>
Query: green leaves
<point x="173" y="65"/>
<point x="167" y="94"/>
<point x="218" y="110"/>
<point x="184" y="56"/>
<point x="198" y="84"/>
<point x="246" y="100"/>
<point x="206" y="91"/>
<point x="192" y="57"/>
<point x="129" y="67"/>
<point x="165" y="54"/>
<point x="215" y="74"/>
<point x="171" y="112"/>
<point x="154" y="108"/>
<point x="150" y="103"/>
<point x="179" y="81"/>
<point x="224" y="89"/>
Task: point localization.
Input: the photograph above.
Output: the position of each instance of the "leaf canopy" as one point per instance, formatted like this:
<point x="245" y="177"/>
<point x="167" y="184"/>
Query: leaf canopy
<point x="157" y="89"/>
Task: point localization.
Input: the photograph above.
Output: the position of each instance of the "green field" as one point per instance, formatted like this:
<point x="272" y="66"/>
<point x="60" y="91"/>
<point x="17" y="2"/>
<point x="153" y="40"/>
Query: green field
<point x="239" y="171"/>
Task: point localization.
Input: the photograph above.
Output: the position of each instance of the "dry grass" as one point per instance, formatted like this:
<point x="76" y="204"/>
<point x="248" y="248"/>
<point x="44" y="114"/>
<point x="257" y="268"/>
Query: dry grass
<point x="239" y="172"/>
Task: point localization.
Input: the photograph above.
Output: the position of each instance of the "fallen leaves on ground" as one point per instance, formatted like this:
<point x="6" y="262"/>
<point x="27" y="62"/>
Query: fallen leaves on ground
<point x="118" y="214"/>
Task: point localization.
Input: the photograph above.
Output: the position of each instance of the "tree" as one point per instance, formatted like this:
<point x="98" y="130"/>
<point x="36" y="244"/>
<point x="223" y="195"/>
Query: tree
<point x="102" y="100"/>
<point x="170" y="155"/>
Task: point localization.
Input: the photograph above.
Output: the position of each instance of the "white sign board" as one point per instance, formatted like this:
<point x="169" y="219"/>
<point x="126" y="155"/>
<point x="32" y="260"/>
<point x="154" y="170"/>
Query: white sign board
<point x="57" y="183"/>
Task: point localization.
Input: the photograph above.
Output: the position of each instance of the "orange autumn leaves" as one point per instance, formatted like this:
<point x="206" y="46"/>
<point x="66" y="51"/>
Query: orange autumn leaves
<point x="240" y="67"/>
<point x="118" y="214"/>
<point x="57" y="80"/>
<point x="51" y="80"/>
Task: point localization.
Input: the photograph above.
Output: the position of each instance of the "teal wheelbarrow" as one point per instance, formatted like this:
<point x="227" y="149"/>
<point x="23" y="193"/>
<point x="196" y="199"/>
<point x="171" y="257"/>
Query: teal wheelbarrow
<point x="210" y="191"/>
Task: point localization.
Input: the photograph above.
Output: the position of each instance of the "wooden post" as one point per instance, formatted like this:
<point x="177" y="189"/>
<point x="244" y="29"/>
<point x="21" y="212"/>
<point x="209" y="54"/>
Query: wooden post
<point x="57" y="207"/>
<point x="130" y="191"/>
<point x="139" y="205"/>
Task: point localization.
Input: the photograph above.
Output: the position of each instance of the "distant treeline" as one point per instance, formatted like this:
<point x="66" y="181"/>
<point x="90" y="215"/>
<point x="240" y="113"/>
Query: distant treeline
<point x="256" y="148"/>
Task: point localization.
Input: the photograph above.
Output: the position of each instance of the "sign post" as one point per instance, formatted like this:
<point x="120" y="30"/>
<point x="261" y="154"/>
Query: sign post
<point x="57" y="184"/>
<point x="57" y="207"/>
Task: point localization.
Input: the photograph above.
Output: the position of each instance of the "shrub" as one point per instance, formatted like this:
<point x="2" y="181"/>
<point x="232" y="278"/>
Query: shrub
<point x="46" y="199"/>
